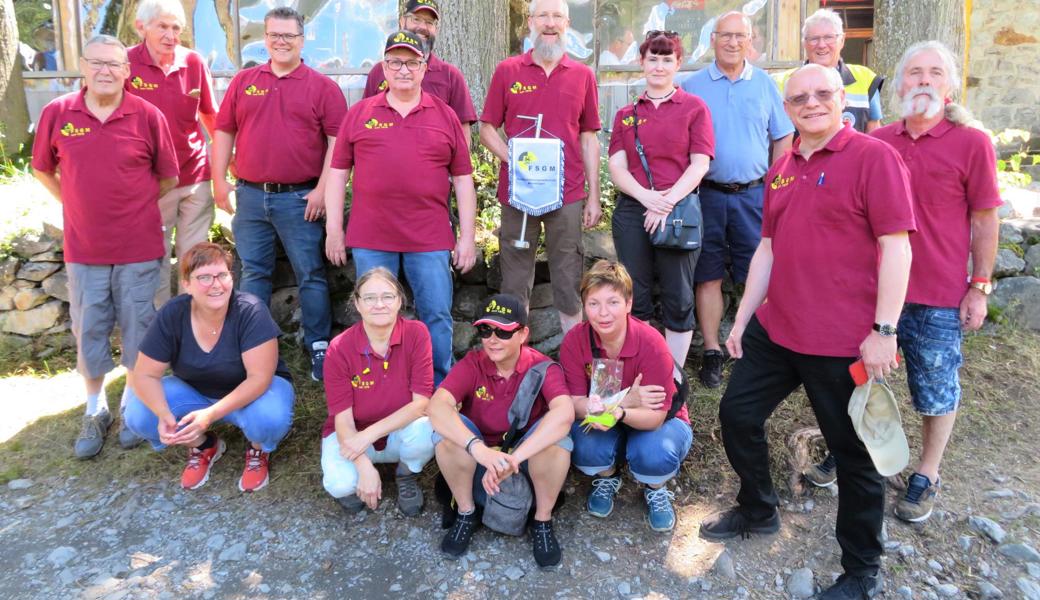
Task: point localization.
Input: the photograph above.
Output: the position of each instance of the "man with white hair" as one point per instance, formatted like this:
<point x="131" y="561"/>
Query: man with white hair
<point x="177" y="81"/>
<point x="823" y="38"/>
<point x="834" y="261"/>
<point x="546" y="81"/>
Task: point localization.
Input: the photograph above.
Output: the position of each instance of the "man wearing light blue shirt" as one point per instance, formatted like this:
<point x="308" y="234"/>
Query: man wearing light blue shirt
<point x="748" y="116"/>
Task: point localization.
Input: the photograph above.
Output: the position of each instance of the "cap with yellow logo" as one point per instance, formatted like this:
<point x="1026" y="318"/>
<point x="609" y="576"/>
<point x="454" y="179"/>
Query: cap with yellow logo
<point x="504" y="311"/>
<point x="414" y="6"/>
<point x="404" y="39"/>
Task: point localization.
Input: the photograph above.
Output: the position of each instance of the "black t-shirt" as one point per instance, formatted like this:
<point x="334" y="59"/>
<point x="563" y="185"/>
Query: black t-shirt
<point x="217" y="372"/>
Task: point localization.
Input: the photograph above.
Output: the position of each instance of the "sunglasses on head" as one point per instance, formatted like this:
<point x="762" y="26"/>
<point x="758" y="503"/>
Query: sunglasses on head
<point x="656" y="32"/>
<point x="485" y="331"/>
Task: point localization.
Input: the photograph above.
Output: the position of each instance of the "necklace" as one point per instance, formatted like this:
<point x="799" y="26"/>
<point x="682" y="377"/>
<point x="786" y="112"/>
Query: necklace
<point x="668" y="95"/>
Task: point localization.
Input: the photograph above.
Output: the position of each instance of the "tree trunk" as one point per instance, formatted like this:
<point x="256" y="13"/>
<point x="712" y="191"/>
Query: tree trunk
<point x="14" y="114"/>
<point x="474" y="37"/>
<point x="898" y="24"/>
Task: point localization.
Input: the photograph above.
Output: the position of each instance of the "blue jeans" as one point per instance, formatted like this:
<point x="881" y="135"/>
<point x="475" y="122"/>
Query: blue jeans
<point x="653" y="456"/>
<point x="931" y="341"/>
<point x="429" y="275"/>
<point x="264" y="421"/>
<point x="260" y="218"/>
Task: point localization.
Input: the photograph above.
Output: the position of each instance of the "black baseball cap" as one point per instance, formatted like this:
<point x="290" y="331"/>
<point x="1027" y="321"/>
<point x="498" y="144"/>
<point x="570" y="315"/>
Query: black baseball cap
<point x="404" y="39"/>
<point x="504" y="311"/>
<point x="414" y="6"/>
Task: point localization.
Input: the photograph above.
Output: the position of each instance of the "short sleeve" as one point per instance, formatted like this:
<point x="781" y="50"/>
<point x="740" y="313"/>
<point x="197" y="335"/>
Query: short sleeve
<point x="874" y="112"/>
<point x="460" y="101"/>
<point x="461" y="379"/>
<point x="374" y="80"/>
<point x="494" y="105"/>
<point x="343" y="151"/>
<point x="420" y="353"/>
<point x="164" y="163"/>
<point x="572" y="359"/>
<point x="702" y="134"/>
<point x="207" y="101"/>
<point x="226" y="120"/>
<point x="555" y="384"/>
<point x="461" y="163"/>
<point x="333" y="107"/>
<point x="886" y="186"/>
<point x="983" y="191"/>
<point x="44" y="154"/>
<point x="655" y="364"/>
<point x="589" y="119"/>
<point x="780" y="124"/>
<point x="161" y="342"/>
<point x="339" y="394"/>
<point x="617" y="142"/>
<point x="255" y="323"/>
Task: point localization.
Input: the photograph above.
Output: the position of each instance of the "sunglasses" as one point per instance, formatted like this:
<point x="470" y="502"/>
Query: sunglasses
<point x="822" y="96"/>
<point x="485" y="331"/>
<point x="656" y="32"/>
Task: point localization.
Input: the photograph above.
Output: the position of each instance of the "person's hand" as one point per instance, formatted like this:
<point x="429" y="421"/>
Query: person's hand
<point x="595" y="405"/>
<point x="222" y="195"/>
<point x="644" y="396"/>
<point x="192" y="426"/>
<point x="369" y="486"/>
<point x="315" y="204"/>
<point x="652" y="220"/>
<point x="499" y="466"/>
<point x="617" y="412"/>
<point x="655" y="201"/>
<point x="592" y="213"/>
<point x="335" y="246"/>
<point x="879" y="355"/>
<point x="733" y="341"/>
<point x="973" y="309"/>
<point x="465" y="255"/>
<point x="168" y="429"/>
<point x="354" y="446"/>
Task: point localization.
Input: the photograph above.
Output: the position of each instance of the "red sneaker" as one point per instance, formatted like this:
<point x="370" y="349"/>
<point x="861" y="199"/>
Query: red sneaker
<point x="254" y="477"/>
<point x="200" y="462"/>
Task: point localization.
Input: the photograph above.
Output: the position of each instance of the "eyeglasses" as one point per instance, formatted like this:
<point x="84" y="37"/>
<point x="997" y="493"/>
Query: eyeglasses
<point x="98" y="65"/>
<point x="821" y="96"/>
<point x="413" y="18"/>
<point x="283" y="37"/>
<point x="828" y="39"/>
<point x="395" y="64"/>
<point x="545" y="16"/>
<point x="656" y="32"/>
<point x="386" y="299"/>
<point x="207" y="279"/>
<point x="728" y="36"/>
<point x="485" y="331"/>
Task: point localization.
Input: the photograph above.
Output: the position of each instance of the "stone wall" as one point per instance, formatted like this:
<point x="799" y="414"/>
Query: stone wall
<point x="34" y="293"/>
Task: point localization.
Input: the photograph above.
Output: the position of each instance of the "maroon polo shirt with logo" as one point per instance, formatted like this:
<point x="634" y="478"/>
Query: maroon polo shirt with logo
<point x="442" y="79"/>
<point x="109" y="174"/>
<point x="568" y="100"/>
<point x="374" y="385"/>
<point x="824" y="217"/>
<point x="281" y="123"/>
<point x="402" y="167"/>
<point x="181" y="95"/>
<point x="678" y="127"/>
<point x="953" y="171"/>
<point x="484" y="397"/>
<point x="644" y="352"/>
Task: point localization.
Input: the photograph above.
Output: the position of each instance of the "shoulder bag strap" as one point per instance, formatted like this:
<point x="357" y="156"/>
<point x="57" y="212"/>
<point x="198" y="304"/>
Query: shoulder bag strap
<point x="639" y="145"/>
<point x="520" y="409"/>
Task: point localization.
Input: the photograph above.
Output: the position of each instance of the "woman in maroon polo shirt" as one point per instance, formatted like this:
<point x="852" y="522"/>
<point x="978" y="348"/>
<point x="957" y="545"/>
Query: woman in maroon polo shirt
<point x="674" y="128"/>
<point x="378" y="381"/>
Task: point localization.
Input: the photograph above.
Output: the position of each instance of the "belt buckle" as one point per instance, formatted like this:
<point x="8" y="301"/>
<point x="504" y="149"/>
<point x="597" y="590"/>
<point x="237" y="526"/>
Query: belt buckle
<point x="272" y="188"/>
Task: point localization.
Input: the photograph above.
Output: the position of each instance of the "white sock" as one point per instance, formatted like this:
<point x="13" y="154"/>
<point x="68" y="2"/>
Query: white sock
<point x="94" y="404"/>
<point x="123" y="398"/>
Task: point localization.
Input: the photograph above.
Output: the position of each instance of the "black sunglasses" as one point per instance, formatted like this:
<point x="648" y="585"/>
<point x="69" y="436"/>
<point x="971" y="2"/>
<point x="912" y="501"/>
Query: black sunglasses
<point x="656" y="32"/>
<point x="485" y="331"/>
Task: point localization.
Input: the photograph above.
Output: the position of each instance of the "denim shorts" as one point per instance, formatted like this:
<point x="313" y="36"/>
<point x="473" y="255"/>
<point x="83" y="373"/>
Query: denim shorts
<point x="930" y="338"/>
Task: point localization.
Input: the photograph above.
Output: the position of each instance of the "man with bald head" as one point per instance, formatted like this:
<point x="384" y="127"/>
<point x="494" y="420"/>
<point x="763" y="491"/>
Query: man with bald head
<point x="834" y="262"/>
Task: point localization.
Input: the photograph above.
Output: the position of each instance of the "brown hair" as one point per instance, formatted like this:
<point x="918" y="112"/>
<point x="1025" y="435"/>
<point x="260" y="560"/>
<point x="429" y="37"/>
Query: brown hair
<point x="662" y="43"/>
<point x="200" y="255"/>
<point x="606" y="273"/>
<point x="382" y="273"/>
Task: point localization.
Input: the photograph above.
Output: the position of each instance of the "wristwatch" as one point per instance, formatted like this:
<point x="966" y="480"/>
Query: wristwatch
<point x="885" y="329"/>
<point x="982" y="284"/>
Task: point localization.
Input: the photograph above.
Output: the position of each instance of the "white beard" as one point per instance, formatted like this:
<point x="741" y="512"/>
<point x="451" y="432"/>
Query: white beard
<point x="914" y="105"/>
<point x="548" y="51"/>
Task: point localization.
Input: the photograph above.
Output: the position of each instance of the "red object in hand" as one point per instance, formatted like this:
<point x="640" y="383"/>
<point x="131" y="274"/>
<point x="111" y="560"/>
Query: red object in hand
<point x="858" y="370"/>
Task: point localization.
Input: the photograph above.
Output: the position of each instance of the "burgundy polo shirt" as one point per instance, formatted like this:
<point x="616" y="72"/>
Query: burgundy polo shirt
<point x="442" y="79"/>
<point x="952" y="173"/>
<point x="485" y="397"/>
<point x="281" y="123"/>
<point x="374" y="385"/>
<point x="109" y="175"/>
<point x="824" y="217"/>
<point x="644" y="351"/>
<point x="678" y="127"/>
<point x="402" y="167"/>
<point x="568" y="100"/>
<point x="181" y="95"/>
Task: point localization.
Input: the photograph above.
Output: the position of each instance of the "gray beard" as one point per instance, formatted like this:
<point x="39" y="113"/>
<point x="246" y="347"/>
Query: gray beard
<point x="548" y="51"/>
<point x="913" y="106"/>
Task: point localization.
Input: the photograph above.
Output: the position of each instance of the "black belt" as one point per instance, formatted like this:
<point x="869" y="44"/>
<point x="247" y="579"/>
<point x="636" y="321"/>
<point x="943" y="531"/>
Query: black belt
<point x="731" y="188"/>
<point x="280" y="188"/>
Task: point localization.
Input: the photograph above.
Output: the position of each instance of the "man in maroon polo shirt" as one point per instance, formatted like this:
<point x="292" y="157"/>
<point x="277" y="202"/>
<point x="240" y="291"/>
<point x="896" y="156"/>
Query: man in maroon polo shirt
<point x="108" y="157"/>
<point x="281" y="117"/>
<point x="177" y="81"/>
<point x="405" y="148"/>
<point x="834" y="262"/>
<point x="546" y="81"/>
<point x="442" y="79"/>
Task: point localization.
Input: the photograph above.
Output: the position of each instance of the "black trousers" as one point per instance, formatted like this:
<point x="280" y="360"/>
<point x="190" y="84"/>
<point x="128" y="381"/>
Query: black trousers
<point x="760" y="381"/>
<point x="673" y="269"/>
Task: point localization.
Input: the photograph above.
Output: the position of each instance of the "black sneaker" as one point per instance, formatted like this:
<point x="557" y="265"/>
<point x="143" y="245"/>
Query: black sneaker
<point x="852" y="587"/>
<point x="711" y="368"/>
<point x="456" y="541"/>
<point x="823" y="474"/>
<point x="547" y="552"/>
<point x="318" y="350"/>
<point x="731" y="522"/>
<point x="351" y="504"/>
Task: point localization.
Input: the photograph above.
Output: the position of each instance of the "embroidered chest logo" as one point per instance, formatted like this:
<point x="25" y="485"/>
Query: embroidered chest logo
<point x="70" y="130"/>
<point x="588" y="370"/>
<point x="482" y="393"/>
<point x="631" y="120"/>
<point x="383" y="85"/>
<point x="519" y="88"/>
<point x="781" y="182"/>
<point x="375" y="123"/>
<point x="140" y="84"/>
<point x="358" y="383"/>
<point x="252" y="90"/>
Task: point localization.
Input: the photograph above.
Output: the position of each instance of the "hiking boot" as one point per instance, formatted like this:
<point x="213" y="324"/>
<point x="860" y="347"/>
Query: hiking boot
<point x="547" y="551"/>
<point x="92" y="436"/>
<point x="852" y="587"/>
<point x="128" y="440"/>
<point x="916" y="505"/>
<point x="351" y="504"/>
<point x="409" y="496"/>
<point x="196" y="474"/>
<point x="255" y="475"/>
<point x="732" y="522"/>
<point x="711" y="368"/>
<point x="456" y="541"/>
<point x="660" y="513"/>
<point x="601" y="497"/>
<point x="823" y="474"/>
<point x="318" y="350"/>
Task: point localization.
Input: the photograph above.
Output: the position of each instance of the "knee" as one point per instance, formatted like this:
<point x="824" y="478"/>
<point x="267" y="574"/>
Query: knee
<point x="139" y="418"/>
<point x="660" y="457"/>
<point x="593" y="452"/>
<point x="270" y="416"/>
<point x="417" y="440"/>
<point x="734" y="418"/>
<point x="339" y="483"/>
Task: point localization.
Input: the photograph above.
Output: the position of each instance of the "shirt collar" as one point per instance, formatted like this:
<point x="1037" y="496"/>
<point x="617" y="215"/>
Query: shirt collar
<point x="937" y="131"/>
<point x="523" y="364"/>
<point x="364" y="346"/>
<point x="126" y="105"/>
<point x="835" y="144"/>
<point x="139" y="54"/>
<point x="527" y="59"/>
<point x="425" y="100"/>
<point x="716" y="73"/>
<point x="678" y="97"/>
<point x="297" y="73"/>
<point x="434" y="63"/>
<point x="631" y="346"/>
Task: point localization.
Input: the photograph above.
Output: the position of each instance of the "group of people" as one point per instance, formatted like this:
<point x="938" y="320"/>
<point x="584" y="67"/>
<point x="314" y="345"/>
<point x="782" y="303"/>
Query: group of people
<point x="849" y="246"/>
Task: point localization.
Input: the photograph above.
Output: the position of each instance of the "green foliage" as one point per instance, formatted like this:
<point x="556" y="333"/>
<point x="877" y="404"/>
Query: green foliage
<point x="13" y="166"/>
<point x="1009" y="169"/>
<point x="1019" y="252"/>
<point x="996" y="314"/>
